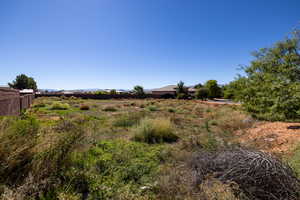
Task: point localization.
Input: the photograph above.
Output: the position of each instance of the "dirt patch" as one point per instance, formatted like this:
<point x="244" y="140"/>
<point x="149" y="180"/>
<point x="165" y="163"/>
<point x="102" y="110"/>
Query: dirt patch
<point x="46" y="117"/>
<point x="275" y="137"/>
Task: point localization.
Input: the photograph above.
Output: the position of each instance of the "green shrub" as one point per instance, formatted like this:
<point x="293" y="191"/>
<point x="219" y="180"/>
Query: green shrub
<point x="182" y="96"/>
<point x="109" y="109"/>
<point x="128" y="119"/>
<point x="16" y="143"/>
<point x="270" y="89"/>
<point x="84" y="107"/>
<point x="59" y="106"/>
<point x="294" y="161"/>
<point x="152" y="108"/>
<point x="202" y="93"/>
<point x="155" y="131"/>
<point x="39" y="105"/>
<point x="171" y="110"/>
<point x="114" y="168"/>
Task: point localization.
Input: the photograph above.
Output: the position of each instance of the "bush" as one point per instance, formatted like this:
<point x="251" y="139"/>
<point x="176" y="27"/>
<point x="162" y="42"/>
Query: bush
<point x="295" y="160"/>
<point x="113" y="168"/>
<point x="16" y="143"/>
<point x="257" y="174"/>
<point x="84" y="107"/>
<point x="270" y="89"/>
<point x="202" y="93"/>
<point x="230" y="120"/>
<point x="39" y="105"/>
<point x="171" y="110"/>
<point x="128" y="119"/>
<point x="152" y="108"/>
<point x="59" y="106"/>
<point x="182" y="96"/>
<point x="109" y="109"/>
<point x="155" y="131"/>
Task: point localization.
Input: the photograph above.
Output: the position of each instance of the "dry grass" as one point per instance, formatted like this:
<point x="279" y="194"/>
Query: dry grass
<point x="204" y="128"/>
<point x="155" y="131"/>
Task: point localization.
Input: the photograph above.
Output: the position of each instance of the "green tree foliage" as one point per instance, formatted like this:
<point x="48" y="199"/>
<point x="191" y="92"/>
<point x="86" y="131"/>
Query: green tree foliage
<point x="23" y="82"/>
<point x="181" y="91"/>
<point x="139" y="90"/>
<point x="234" y="90"/>
<point x="199" y="85"/>
<point x="271" y="88"/>
<point x="214" y="89"/>
<point x="202" y="93"/>
<point x="113" y="92"/>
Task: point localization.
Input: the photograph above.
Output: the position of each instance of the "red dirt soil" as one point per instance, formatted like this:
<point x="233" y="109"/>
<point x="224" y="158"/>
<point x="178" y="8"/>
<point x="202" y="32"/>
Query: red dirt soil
<point x="275" y="137"/>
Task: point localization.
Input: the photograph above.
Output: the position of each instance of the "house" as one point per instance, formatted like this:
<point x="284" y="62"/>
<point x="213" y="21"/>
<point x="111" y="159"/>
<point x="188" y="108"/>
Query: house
<point x="26" y="91"/>
<point x="192" y="90"/>
<point x="167" y="90"/>
<point x="4" y="86"/>
<point x="171" y="90"/>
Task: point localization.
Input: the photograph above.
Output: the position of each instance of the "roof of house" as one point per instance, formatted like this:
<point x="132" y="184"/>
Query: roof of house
<point x="172" y="88"/>
<point x="27" y="91"/>
<point x="168" y="88"/>
<point x="192" y="89"/>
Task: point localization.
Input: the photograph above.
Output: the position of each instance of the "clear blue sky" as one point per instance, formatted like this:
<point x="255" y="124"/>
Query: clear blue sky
<point x="121" y="43"/>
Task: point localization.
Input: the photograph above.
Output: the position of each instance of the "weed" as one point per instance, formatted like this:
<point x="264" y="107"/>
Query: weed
<point x="59" y="106"/>
<point x="152" y="108"/>
<point x="109" y="109"/>
<point x="171" y="110"/>
<point x="155" y="131"/>
<point x="84" y="107"/>
<point x="39" y="105"/>
<point x="128" y="119"/>
<point x="109" y="168"/>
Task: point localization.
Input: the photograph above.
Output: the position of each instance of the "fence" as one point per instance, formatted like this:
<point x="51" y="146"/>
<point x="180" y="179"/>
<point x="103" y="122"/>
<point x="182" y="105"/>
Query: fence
<point x="11" y="103"/>
<point x="107" y="96"/>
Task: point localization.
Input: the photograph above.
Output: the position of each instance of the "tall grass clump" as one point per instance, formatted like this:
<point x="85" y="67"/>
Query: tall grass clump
<point x="84" y="107"/>
<point x="109" y="109"/>
<point x="294" y="160"/>
<point x="17" y="140"/>
<point x="128" y="119"/>
<point x="152" y="108"/>
<point x="229" y="119"/>
<point x="155" y="131"/>
<point x="59" y="106"/>
<point x="113" y="169"/>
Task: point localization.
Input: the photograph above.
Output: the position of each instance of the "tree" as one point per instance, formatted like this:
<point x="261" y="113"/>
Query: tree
<point x="23" y="82"/>
<point x="271" y="86"/>
<point x="234" y="90"/>
<point x="202" y="93"/>
<point x="113" y="92"/>
<point x="213" y="89"/>
<point x="199" y="85"/>
<point x="139" y="90"/>
<point x="181" y="91"/>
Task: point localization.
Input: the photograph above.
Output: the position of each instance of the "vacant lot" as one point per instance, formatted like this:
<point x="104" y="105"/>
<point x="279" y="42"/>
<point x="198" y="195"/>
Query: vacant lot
<point x="69" y="148"/>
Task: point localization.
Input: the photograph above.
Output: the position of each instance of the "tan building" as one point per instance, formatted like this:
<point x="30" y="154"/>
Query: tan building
<point x="171" y="90"/>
